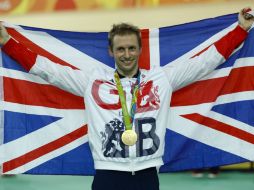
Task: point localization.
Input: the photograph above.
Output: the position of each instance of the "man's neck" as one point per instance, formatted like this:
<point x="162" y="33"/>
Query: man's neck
<point x="134" y="75"/>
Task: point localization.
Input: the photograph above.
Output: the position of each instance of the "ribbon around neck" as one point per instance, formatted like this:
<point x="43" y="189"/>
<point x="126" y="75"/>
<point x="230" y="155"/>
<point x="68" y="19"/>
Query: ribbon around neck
<point x="127" y="118"/>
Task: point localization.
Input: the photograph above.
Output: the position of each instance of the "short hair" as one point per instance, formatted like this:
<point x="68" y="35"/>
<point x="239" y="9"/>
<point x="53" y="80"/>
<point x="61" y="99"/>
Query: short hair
<point x="123" y="29"/>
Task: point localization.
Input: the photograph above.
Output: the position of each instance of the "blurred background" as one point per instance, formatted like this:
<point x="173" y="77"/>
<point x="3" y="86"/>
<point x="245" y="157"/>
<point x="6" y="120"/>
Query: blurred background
<point x="99" y="15"/>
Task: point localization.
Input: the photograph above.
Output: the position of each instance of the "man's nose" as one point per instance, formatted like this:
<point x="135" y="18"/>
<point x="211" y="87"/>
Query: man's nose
<point x="126" y="53"/>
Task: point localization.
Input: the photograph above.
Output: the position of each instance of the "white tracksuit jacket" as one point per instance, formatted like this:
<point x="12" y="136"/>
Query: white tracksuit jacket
<point x="103" y="107"/>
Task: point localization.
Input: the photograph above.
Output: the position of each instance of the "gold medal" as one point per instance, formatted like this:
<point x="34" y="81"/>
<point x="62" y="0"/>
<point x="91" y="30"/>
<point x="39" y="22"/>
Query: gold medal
<point x="129" y="137"/>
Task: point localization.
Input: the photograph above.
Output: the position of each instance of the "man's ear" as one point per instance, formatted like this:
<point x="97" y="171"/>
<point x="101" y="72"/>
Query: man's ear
<point x="140" y="50"/>
<point x="110" y="51"/>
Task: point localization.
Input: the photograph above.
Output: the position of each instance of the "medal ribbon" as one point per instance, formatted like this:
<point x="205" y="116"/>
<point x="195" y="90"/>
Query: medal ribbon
<point x="127" y="118"/>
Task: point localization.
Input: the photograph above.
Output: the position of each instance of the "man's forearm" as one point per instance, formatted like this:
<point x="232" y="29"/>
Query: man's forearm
<point x="20" y="53"/>
<point x="227" y="44"/>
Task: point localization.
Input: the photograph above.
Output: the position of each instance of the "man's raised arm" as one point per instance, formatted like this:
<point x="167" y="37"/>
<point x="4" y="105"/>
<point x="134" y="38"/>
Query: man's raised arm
<point x="64" y="77"/>
<point x="191" y="70"/>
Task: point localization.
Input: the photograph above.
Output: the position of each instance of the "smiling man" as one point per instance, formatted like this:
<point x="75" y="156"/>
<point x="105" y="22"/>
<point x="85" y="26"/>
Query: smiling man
<point x="127" y="108"/>
<point x="125" y="47"/>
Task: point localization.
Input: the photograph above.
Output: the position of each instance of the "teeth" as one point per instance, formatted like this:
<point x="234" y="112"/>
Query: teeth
<point x="127" y="61"/>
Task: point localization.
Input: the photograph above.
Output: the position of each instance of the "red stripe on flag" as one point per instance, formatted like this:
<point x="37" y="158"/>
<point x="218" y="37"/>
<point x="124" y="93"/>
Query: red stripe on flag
<point x="144" y="59"/>
<point x="208" y="90"/>
<point x="240" y="79"/>
<point x="35" y="48"/>
<point x="29" y="93"/>
<point x="219" y="126"/>
<point x="47" y="148"/>
<point x="199" y="92"/>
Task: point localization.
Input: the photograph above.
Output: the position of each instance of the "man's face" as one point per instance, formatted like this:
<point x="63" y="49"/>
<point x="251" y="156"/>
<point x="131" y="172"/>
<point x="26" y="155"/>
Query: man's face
<point x="126" y="53"/>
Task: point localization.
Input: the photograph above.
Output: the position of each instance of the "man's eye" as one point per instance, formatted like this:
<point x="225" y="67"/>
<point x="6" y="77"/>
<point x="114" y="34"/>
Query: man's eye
<point x="132" y="48"/>
<point x="120" y="49"/>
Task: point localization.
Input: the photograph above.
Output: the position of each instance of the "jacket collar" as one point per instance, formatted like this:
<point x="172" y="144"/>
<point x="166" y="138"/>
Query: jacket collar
<point x="134" y="76"/>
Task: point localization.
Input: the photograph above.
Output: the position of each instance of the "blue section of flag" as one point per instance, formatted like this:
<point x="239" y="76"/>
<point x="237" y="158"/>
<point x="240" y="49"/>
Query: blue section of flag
<point x="177" y="40"/>
<point x="182" y="153"/>
<point x="238" y="110"/>
<point x="246" y="50"/>
<point x="17" y="124"/>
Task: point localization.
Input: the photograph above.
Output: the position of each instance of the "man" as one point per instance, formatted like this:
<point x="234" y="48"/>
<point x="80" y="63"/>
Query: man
<point x="126" y="108"/>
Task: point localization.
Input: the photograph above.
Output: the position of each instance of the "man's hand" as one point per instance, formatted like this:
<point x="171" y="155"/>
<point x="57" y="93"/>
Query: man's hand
<point x="245" y="20"/>
<point x="4" y="36"/>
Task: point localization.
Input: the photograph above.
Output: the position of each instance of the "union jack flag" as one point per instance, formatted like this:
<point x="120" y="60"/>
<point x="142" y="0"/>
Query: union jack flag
<point x="44" y="128"/>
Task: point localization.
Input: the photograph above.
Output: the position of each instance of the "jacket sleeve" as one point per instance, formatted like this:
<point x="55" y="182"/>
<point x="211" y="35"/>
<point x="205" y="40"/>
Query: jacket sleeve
<point x="64" y="77"/>
<point x="180" y="75"/>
